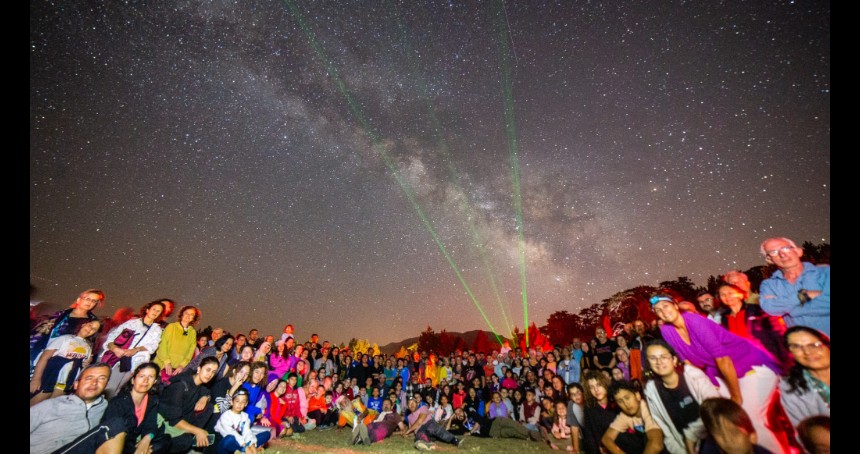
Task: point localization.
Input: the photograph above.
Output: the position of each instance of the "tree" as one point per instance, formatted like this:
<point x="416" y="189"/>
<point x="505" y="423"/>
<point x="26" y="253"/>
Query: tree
<point x="816" y="253"/>
<point x="361" y="347"/>
<point x="683" y="286"/>
<point x="459" y="344"/>
<point x="561" y="327"/>
<point x="428" y="340"/>
<point x="482" y="343"/>
<point x="447" y="343"/>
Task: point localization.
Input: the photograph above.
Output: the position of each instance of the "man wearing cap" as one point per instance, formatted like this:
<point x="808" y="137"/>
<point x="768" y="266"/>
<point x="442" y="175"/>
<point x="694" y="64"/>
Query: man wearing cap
<point x="798" y="291"/>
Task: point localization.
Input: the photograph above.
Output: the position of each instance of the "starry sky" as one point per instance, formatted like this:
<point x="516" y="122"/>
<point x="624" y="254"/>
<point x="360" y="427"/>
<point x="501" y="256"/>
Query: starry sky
<point x="346" y="166"/>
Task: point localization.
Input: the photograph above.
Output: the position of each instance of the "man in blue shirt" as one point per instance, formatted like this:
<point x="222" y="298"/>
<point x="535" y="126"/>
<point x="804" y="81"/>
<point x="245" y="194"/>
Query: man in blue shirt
<point x="798" y="291"/>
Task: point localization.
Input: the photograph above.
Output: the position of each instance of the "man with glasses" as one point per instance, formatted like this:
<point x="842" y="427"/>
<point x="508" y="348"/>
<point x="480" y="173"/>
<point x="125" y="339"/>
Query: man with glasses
<point x="709" y="305"/>
<point x="798" y="291"/>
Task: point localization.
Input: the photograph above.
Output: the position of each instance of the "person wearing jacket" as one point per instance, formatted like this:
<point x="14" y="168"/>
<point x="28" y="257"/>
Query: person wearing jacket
<point x="186" y="407"/>
<point x="674" y="395"/>
<point x="142" y="430"/>
<point x="147" y="336"/>
<point x="74" y="422"/>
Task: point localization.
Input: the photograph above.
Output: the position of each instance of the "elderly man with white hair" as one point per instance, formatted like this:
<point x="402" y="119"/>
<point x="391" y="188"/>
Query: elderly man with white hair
<point x="798" y="291"/>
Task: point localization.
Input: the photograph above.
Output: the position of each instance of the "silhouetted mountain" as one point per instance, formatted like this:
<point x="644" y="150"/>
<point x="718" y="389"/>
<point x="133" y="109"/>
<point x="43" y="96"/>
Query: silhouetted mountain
<point x="468" y="338"/>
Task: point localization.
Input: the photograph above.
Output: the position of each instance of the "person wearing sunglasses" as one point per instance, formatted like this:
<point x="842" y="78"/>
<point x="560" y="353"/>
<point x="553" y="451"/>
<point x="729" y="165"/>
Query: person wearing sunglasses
<point x="798" y="291"/>
<point x="806" y="387"/>
<point x="748" y="373"/>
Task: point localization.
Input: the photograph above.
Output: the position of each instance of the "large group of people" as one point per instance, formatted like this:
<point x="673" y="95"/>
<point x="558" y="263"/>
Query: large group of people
<point x="742" y="372"/>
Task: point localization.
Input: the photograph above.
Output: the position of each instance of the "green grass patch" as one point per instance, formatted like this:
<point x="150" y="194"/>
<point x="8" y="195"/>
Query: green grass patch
<point x="337" y="442"/>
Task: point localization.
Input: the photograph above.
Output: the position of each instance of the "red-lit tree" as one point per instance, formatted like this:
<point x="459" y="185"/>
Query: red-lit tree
<point x="482" y="343"/>
<point x="428" y="340"/>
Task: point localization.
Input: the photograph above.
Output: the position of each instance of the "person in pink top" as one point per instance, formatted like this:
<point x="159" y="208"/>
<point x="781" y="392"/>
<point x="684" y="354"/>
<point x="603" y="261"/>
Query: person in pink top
<point x="746" y="371"/>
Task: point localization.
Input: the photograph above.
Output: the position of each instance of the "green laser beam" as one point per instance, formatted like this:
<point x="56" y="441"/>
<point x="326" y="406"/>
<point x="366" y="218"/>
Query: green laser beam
<point x="380" y="150"/>
<point x="464" y="204"/>
<point x="511" y="129"/>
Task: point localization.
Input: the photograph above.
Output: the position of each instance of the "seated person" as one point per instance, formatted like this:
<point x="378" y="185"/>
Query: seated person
<point x="186" y="408"/>
<point x="634" y="419"/>
<point x="63" y="424"/>
<point x="137" y="403"/>
<point x="476" y="425"/>
<point x="381" y="428"/>
<point x="425" y="428"/>
<point x="235" y="426"/>
<point x="60" y="362"/>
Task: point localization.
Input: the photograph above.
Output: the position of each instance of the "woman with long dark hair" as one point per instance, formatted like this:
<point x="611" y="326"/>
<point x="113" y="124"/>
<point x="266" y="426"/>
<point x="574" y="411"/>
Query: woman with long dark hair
<point x="673" y="392"/>
<point x="806" y="387"/>
<point x="138" y="401"/>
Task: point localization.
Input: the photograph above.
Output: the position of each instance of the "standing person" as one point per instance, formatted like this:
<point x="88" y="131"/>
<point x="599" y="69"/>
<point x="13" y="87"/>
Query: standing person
<point x="68" y="321"/>
<point x="254" y="339"/>
<point x="239" y="342"/>
<point x="74" y="423"/>
<point x="806" y="387"/>
<point x="60" y="362"/>
<point x="137" y="403"/>
<point x="186" y="407"/>
<point x="147" y="336"/>
<point x="674" y="395"/>
<point x="740" y="279"/>
<point x="748" y="372"/>
<point x="797" y="291"/>
<point x="604" y="350"/>
<point x="751" y="322"/>
<point x="710" y="306"/>
<point x="177" y="343"/>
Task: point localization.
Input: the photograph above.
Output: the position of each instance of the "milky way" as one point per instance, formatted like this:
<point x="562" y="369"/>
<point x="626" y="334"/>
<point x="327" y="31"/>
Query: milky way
<point x="280" y="162"/>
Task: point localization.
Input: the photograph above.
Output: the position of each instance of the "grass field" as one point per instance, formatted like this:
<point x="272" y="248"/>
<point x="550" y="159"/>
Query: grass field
<point x="334" y="441"/>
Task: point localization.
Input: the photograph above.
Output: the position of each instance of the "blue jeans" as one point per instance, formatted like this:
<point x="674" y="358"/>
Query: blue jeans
<point x="432" y="430"/>
<point x="229" y="444"/>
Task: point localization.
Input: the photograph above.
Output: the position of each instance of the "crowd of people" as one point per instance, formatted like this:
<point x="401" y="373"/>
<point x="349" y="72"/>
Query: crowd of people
<point x="743" y="372"/>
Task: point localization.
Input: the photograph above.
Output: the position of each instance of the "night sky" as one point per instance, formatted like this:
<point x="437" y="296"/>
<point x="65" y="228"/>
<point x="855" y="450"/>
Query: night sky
<point x="277" y="162"/>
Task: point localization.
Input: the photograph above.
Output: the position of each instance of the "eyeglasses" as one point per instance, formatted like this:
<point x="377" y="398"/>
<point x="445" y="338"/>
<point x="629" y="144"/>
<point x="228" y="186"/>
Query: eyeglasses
<point x="92" y="300"/>
<point x="813" y="347"/>
<point x="660" y="358"/>
<point x="775" y="252"/>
